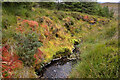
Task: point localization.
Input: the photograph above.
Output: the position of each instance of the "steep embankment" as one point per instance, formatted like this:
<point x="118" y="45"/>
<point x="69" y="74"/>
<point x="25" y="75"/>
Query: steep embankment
<point x="58" y="31"/>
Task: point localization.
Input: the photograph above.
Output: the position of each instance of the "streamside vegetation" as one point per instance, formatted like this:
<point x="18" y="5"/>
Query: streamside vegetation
<point x="99" y="53"/>
<point x="33" y="34"/>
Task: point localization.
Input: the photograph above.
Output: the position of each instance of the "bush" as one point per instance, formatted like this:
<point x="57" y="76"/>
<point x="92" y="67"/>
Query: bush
<point x="10" y="62"/>
<point x="27" y="45"/>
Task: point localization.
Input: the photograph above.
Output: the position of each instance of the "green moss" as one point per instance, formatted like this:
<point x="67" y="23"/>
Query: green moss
<point x="75" y="40"/>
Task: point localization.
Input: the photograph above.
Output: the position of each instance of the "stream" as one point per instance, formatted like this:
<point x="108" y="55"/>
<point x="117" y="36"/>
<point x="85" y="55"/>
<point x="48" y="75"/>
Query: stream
<point x="59" y="68"/>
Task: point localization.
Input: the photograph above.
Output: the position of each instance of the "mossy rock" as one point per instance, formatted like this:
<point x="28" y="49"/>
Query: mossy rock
<point x="62" y="53"/>
<point x="74" y="41"/>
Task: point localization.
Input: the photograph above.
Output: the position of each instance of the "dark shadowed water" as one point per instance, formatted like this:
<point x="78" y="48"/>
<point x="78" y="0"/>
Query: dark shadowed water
<point x="60" y="69"/>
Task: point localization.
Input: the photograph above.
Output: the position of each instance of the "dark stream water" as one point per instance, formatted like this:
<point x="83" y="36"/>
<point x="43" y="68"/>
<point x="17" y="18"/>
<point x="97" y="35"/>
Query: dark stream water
<point x="60" y="69"/>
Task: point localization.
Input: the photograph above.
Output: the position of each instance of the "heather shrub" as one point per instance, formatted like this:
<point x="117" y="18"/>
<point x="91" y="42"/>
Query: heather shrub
<point x="27" y="45"/>
<point x="10" y="62"/>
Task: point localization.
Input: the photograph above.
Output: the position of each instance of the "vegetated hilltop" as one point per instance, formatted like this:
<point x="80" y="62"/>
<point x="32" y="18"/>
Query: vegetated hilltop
<point x="34" y="36"/>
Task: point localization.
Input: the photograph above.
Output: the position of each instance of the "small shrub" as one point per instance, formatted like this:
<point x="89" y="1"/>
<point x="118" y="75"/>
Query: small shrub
<point x="38" y="56"/>
<point x="24" y="25"/>
<point x="27" y="45"/>
<point x="10" y="62"/>
<point x="33" y="24"/>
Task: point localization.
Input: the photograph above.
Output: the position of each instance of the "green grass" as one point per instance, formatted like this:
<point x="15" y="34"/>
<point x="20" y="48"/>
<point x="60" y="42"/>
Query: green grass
<point x="99" y="54"/>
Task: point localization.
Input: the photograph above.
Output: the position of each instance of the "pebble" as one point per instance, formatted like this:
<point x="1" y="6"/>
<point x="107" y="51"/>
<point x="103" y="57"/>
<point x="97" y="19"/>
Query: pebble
<point x="54" y="70"/>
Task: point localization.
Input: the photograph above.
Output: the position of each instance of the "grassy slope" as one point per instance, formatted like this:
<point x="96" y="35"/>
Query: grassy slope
<point x="98" y="47"/>
<point x="99" y="53"/>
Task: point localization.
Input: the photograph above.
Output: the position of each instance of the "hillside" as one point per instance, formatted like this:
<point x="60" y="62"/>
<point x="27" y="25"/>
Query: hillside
<point x="34" y="37"/>
<point x="112" y="6"/>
